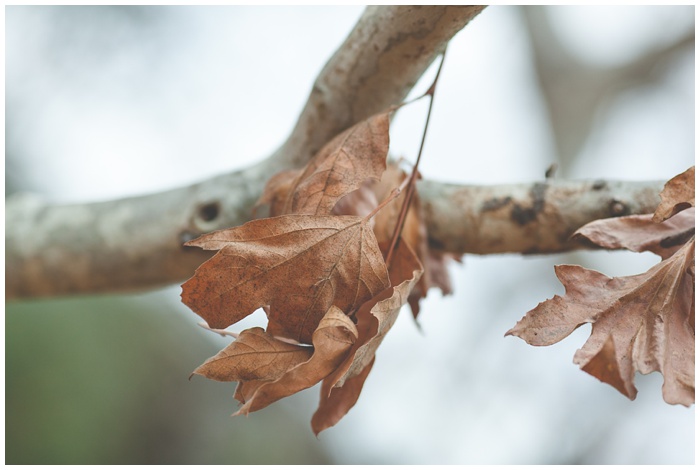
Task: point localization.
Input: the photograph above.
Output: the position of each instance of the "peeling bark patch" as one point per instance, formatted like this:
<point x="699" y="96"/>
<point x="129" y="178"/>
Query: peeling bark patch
<point x="495" y="203"/>
<point x="524" y="215"/>
<point x="435" y="243"/>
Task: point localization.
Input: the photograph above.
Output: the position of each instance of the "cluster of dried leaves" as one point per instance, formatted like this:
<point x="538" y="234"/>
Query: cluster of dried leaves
<point x="640" y="323"/>
<point x="323" y="268"/>
<point x="317" y="267"/>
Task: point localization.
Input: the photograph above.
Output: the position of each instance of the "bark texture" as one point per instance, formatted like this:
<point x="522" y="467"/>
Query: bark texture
<point x="526" y="218"/>
<point x="137" y="243"/>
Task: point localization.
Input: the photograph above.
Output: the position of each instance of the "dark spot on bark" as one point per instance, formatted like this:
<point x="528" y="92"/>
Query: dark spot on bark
<point x="210" y="211"/>
<point x="551" y="171"/>
<point x="599" y="185"/>
<point x="495" y="203"/>
<point x="435" y="243"/>
<point x="618" y="208"/>
<point x="524" y="215"/>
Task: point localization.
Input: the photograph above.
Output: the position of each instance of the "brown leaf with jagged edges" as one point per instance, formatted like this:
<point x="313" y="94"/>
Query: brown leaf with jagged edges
<point x="340" y="167"/>
<point x="254" y="355"/>
<point x="678" y="194"/>
<point x="640" y="323"/>
<point x="374" y="319"/>
<point x="332" y="341"/>
<point x="639" y="233"/>
<point x="298" y="265"/>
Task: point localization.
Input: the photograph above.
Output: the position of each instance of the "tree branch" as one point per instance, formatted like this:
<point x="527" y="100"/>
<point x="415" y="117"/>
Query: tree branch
<point x="526" y="218"/>
<point x="136" y="243"/>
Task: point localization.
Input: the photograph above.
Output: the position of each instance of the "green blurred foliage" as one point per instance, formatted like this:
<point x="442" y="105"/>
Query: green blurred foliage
<point x="104" y="380"/>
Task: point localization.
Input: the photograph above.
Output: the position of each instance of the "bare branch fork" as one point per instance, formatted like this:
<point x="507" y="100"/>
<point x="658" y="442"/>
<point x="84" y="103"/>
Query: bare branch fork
<point x="90" y="248"/>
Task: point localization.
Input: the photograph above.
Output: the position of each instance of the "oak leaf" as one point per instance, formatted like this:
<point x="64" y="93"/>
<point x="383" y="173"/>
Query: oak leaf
<point x="340" y="167"/>
<point x="254" y="355"/>
<point x="640" y="233"/>
<point x="678" y="194"/>
<point x="641" y="322"/>
<point x="298" y="265"/>
<point x="332" y="340"/>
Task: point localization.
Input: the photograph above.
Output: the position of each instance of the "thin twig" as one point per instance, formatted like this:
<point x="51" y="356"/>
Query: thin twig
<point x="392" y="195"/>
<point x="414" y="174"/>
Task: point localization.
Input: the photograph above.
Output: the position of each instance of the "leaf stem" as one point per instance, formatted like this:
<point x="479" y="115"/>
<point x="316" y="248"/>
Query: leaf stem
<point x="392" y="195"/>
<point x="414" y="174"/>
<point x="218" y="331"/>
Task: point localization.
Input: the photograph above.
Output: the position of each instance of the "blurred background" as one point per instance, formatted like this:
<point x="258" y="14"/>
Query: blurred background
<point x="107" y="102"/>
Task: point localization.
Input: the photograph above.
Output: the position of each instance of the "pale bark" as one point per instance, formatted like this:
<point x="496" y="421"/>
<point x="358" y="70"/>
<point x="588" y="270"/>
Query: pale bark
<point x="136" y="243"/>
<point x="527" y="218"/>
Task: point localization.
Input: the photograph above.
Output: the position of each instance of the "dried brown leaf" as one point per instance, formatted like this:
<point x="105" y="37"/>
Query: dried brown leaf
<point x="333" y="407"/>
<point x="639" y="233"/>
<point x="386" y="219"/>
<point x="254" y="355"/>
<point x="678" y="194"/>
<point x="276" y="190"/>
<point x="246" y="390"/>
<point x="298" y="265"/>
<point x="332" y="341"/>
<point x="640" y="323"/>
<point x="360" y="202"/>
<point x="414" y="233"/>
<point x="377" y="316"/>
<point x="603" y="365"/>
<point x="339" y="168"/>
<point x="341" y="389"/>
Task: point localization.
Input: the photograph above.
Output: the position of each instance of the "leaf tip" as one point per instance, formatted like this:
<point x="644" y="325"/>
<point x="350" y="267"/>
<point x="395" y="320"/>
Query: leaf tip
<point x="241" y="412"/>
<point x="604" y="367"/>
